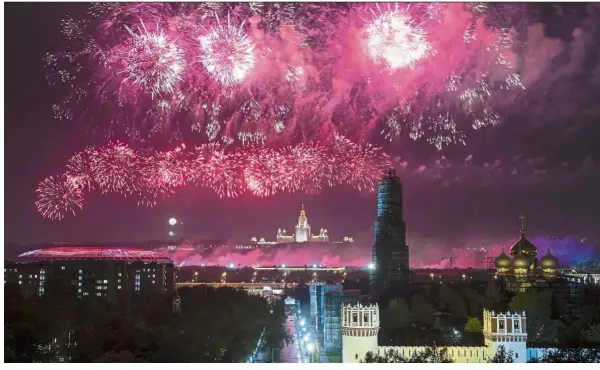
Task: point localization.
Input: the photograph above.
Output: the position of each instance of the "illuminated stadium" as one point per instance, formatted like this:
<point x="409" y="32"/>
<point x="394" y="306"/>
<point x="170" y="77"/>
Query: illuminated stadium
<point x="130" y="255"/>
<point x="109" y="273"/>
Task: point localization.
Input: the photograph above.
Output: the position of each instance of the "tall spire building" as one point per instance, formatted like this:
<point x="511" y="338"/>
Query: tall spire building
<point x="390" y="274"/>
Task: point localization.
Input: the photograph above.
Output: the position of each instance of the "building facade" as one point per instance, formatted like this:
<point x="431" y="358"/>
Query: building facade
<point x="360" y="325"/>
<point x="110" y="273"/>
<point x="332" y="330"/>
<point x="390" y="252"/>
<point x="303" y="232"/>
<point x="322" y="290"/>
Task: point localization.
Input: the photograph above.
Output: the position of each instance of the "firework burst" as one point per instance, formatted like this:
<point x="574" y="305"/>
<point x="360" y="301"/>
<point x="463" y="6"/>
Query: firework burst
<point x="153" y="62"/>
<point x="195" y="74"/>
<point x="116" y="168"/>
<point x="394" y="38"/>
<point x="229" y="172"/>
<point x="57" y="196"/>
<point x="227" y="53"/>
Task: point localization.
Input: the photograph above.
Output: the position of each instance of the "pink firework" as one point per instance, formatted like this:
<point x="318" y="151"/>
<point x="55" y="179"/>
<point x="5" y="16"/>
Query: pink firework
<point x="229" y="172"/>
<point x="219" y="170"/>
<point x="227" y="53"/>
<point x="395" y="38"/>
<point x="204" y="68"/>
<point x="79" y="171"/>
<point x="57" y="196"/>
<point x="116" y="168"/>
<point x="153" y="62"/>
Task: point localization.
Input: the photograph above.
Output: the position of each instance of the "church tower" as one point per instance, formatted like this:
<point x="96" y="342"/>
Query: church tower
<point x="508" y="330"/>
<point x="390" y="272"/>
<point x="360" y="325"/>
<point x="303" y="228"/>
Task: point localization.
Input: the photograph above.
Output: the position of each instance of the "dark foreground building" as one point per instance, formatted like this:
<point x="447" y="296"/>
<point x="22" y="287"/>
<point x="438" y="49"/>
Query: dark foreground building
<point x="90" y="271"/>
<point x="390" y="252"/>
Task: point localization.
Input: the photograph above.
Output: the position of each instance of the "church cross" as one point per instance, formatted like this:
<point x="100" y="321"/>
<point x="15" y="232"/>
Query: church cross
<point x="522" y="218"/>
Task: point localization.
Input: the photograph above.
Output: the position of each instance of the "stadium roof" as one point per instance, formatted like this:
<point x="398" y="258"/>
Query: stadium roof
<point x="92" y="253"/>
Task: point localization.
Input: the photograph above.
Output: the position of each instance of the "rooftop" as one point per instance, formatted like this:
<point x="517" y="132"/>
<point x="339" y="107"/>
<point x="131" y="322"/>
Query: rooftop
<point x="91" y="253"/>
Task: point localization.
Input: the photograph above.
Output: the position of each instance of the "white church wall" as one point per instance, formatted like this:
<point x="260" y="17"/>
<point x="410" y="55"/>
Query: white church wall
<point x="459" y="354"/>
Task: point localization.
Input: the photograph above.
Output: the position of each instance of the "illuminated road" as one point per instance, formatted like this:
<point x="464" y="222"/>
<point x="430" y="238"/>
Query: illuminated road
<point x="291" y="352"/>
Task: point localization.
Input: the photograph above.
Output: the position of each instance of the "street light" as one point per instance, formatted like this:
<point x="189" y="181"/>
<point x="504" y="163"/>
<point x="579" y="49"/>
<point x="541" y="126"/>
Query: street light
<point x="309" y="347"/>
<point x="371" y="266"/>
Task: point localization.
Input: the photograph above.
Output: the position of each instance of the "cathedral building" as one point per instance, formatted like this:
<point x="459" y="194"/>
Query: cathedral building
<point x="303" y="232"/>
<point x="522" y="269"/>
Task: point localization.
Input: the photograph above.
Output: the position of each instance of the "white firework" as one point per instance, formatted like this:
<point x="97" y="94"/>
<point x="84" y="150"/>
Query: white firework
<point x="154" y="62"/>
<point x="394" y="39"/>
<point x="227" y="53"/>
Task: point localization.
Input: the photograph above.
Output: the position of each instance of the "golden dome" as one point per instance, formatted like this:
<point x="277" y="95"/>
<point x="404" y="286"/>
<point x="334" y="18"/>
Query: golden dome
<point x="523" y="245"/>
<point x="502" y="261"/>
<point x="549" y="261"/>
<point x="520" y="261"/>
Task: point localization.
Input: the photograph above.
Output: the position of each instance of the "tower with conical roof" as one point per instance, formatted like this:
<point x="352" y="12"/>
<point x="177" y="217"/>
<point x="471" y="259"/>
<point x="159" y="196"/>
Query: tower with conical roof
<point x="390" y="273"/>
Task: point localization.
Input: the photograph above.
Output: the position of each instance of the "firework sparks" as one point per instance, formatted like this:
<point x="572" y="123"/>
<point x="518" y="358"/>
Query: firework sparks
<point x="57" y="196"/>
<point x="395" y="38"/>
<point x="229" y="172"/>
<point x="227" y="53"/>
<point x="116" y="169"/>
<point x="184" y="74"/>
<point x="154" y="62"/>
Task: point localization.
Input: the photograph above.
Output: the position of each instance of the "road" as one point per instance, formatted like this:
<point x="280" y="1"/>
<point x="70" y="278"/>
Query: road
<point x="291" y="352"/>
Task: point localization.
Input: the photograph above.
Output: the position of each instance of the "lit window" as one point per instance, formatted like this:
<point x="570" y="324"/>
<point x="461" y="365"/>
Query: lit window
<point x="79" y="284"/>
<point x="79" y="277"/>
<point x="62" y="268"/>
<point x="20" y="282"/>
<point x="153" y="275"/>
<point x="118" y="287"/>
<point x="99" y="294"/>
<point x="86" y="293"/>
<point x="153" y="281"/>
<point x="80" y="271"/>
<point x="105" y="281"/>
<point x="119" y="274"/>
<point x="79" y="291"/>
<point x="35" y="276"/>
<point x="20" y="276"/>
<point x="30" y="276"/>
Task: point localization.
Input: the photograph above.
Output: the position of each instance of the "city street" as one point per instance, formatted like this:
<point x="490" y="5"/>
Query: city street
<point x="291" y="352"/>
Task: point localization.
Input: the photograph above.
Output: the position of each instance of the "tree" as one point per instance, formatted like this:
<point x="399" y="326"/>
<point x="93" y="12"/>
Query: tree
<point x="429" y="355"/>
<point x="397" y="315"/>
<point x="502" y="356"/>
<point x="537" y="305"/>
<point x="423" y="310"/>
<point x="473" y="325"/>
<point x="592" y="334"/>
<point x="458" y="307"/>
<point x="570" y="355"/>
<point x="495" y="297"/>
<point x="374" y="358"/>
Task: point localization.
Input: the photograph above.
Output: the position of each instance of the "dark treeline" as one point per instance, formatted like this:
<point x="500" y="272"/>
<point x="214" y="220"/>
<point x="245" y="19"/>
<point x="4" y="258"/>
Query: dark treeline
<point x="213" y="325"/>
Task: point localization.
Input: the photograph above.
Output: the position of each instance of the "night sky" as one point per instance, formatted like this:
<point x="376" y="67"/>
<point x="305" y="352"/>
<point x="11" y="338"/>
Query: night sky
<point x="543" y="160"/>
